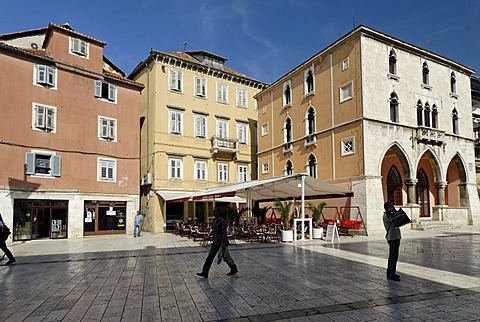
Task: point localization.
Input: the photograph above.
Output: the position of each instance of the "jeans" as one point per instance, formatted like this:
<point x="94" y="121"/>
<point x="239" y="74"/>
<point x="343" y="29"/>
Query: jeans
<point x="135" y="227"/>
<point x="394" y="245"/>
<point x="211" y="256"/>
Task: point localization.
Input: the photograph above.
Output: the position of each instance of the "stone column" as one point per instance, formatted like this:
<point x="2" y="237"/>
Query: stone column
<point x="440" y="192"/>
<point x="411" y="183"/>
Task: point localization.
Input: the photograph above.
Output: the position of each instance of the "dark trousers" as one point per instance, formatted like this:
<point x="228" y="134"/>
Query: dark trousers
<point x="211" y="256"/>
<point x="3" y="247"/>
<point x="394" y="245"/>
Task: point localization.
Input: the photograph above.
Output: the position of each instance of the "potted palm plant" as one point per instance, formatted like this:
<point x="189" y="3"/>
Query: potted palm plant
<point x="284" y="211"/>
<point x="317" y="213"/>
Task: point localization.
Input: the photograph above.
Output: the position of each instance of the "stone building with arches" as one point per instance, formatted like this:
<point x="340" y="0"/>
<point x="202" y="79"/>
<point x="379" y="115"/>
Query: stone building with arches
<point x="387" y="119"/>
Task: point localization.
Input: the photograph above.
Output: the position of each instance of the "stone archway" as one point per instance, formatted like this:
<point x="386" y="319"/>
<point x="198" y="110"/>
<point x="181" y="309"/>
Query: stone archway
<point x="429" y="186"/>
<point x="455" y="190"/>
<point x="395" y="172"/>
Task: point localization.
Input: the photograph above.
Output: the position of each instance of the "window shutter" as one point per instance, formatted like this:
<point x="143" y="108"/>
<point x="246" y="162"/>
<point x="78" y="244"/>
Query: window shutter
<point x="204" y="87"/>
<point x="179" y="81"/>
<point x="98" y="88"/>
<point x="172" y="122"/>
<point x="30" y="163"/>
<point x="103" y="128"/>
<point x="112" y="89"/>
<point x="203" y="127"/>
<point x="56" y="165"/>
<point x="51" y="76"/>
<point x="112" y="130"/>
<point x="173" y="79"/>
<point x="50" y="114"/>
<point x="75" y="45"/>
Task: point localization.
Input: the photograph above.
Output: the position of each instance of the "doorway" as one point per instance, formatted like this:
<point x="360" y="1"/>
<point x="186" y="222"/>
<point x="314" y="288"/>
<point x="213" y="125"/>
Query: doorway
<point x="423" y="193"/>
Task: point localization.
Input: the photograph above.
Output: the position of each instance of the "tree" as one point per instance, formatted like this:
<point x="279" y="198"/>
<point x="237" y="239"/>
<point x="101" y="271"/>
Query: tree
<point x="284" y="211"/>
<point x="316" y="211"/>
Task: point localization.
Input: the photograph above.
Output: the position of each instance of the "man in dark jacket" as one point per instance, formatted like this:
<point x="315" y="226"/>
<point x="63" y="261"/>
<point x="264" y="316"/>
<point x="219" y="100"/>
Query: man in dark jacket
<point x="219" y="240"/>
<point x="393" y="237"/>
<point x="3" y="244"/>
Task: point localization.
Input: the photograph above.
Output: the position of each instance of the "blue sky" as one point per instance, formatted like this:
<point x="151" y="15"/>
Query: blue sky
<point x="263" y="39"/>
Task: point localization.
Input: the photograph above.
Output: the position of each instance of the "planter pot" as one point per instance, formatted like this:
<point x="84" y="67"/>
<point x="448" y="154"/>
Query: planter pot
<point x="318" y="232"/>
<point x="287" y="235"/>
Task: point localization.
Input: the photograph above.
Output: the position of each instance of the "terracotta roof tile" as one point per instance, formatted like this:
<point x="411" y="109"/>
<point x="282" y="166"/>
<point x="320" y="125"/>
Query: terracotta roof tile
<point x="120" y="77"/>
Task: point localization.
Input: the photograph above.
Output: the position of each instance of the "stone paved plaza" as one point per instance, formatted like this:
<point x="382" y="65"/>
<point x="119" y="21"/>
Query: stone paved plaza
<point x="152" y="278"/>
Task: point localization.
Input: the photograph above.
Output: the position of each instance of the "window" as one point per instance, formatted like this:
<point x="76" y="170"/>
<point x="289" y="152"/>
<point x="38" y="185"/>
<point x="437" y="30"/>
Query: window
<point x="346" y="92"/>
<point x="394" y="107"/>
<point x="241" y="97"/>
<point x="222" y="129"/>
<point x="394" y="186"/>
<point x="176" y="78"/>
<point x="200" y="126"/>
<point x="434" y="116"/>
<point x="453" y="83"/>
<point x="242" y="173"/>
<point x="348" y="146"/>
<point x="175" y="170"/>
<point x="107" y="128"/>
<point x="345" y="64"/>
<point x="309" y="81"/>
<point x="200" y="171"/>
<point x="287" y="130"/>
<point x="264" y="129"/>
<point x="392" y="63"/>
<point x="78" y="47"/>
<point x="242" y="133"/>
<point x="264" y="167"/>
<point x="222" y="93"/>
<point x="425" y="74"/>
<point x="287" y="93"/>
<point x="288" y="168"/>
<point x="175" y="119"/>
<point x="107" y="169"/>
<point x="200" y="87"/>
<point x="426" y="113"/>
<point x="222" y="174"/>
<point x="312" y="166"/>
<point x="264" y="110"/>
<point x="44" y="118"/>
<point x="42" y="163"/>
<point x="45" y="75"/>
<point x="419" y="113"/>
<point x="105" y="91"/>
<point x="310" y="121"/>
<point x="455" y="121"/>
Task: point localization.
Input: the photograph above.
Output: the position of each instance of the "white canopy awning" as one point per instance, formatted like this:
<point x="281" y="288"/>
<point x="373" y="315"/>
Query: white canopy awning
<point x="174" y="196"/>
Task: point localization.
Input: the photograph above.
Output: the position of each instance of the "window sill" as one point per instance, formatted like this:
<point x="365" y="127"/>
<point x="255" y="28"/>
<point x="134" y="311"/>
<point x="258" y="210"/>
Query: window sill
<point x="346" y="99"/>
<point x="393" y="76"/>
<point x="453" y="95"/>
<point x="287" y="105"/>
<point x="427" y="87"/>
<point x="200" y="97"/>
<point x="312" y="93"/>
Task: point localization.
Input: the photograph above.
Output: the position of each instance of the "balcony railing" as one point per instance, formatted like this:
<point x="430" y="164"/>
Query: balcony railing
<point x="221" y="144"/>
<point x="430" y="135"/>
<point x="287" y="147"/>
<point x="310" y="140"/>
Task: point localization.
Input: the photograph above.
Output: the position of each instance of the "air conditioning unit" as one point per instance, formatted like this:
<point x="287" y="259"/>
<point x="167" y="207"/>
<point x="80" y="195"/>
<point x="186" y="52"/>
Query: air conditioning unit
<point x="148" y="178"/>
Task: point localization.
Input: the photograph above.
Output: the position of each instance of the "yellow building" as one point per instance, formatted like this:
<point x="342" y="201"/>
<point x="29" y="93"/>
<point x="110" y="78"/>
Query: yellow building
<point x="198" y="130"/>
<point x="389" y="120"/>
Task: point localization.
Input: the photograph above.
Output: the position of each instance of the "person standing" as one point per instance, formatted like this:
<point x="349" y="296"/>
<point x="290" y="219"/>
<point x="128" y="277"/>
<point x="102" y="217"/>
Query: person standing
<point x="393" y="237"/>
<point x="3" y="245"/>
<point x="137" y="224"/>
<point x="219" y="240"/>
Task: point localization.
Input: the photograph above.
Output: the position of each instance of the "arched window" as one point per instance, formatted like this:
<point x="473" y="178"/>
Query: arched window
<point x="426" y="112"/>
<point x="392" y="62"/>
<point x="310" y="121"/>
<point x="425" y="74"/>
<point x="455" y="121"/>
<point x="312" y="166"/>
<point x="288" y="168"/>
<point x="419" y="113"/>
<point x="453" y="83"/>
<point x="288" y="130"/>
<point x="394" y="186"/>
<point x="434" y="116"/>
<point x="394" y="107"/>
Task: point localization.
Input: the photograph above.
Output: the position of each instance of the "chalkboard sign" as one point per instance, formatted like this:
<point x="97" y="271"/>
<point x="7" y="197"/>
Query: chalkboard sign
<point x="332" y="232"/>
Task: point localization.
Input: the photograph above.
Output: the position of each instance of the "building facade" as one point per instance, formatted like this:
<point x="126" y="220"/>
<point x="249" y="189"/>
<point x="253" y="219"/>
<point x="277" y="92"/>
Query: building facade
<point x="387" y="119"/>
<point x="69" y="136"/>
<point x="198" y="131"/>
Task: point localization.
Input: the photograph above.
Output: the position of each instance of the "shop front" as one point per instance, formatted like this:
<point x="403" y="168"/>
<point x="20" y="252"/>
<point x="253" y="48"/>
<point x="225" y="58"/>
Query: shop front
<point x="104" y="217"/>
<point x="39" y="219"/>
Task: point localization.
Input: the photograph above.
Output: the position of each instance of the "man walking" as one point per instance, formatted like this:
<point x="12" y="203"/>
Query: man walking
<point x="219" y="240"/>
<point x="137" y="224"/>
<point x="393" y="237"/>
